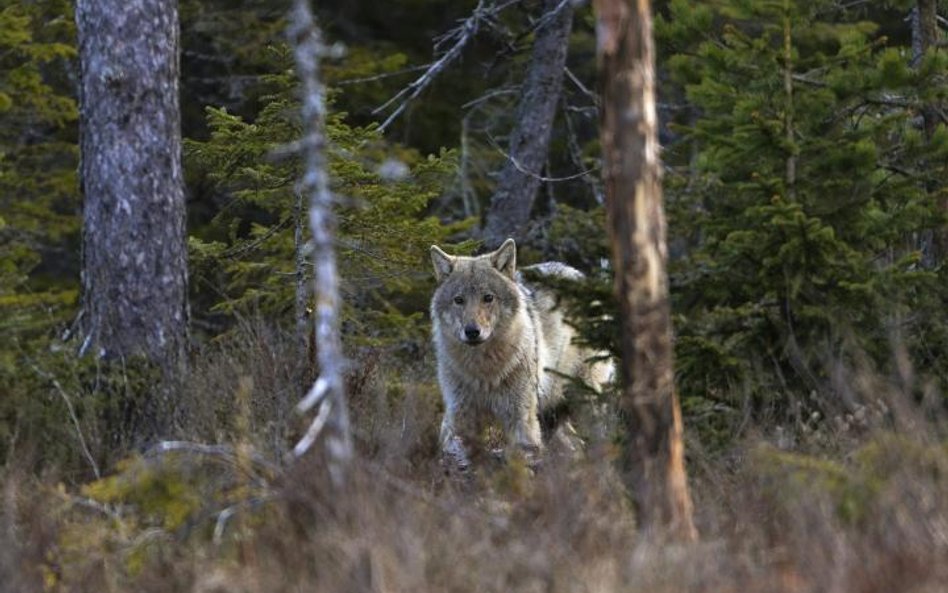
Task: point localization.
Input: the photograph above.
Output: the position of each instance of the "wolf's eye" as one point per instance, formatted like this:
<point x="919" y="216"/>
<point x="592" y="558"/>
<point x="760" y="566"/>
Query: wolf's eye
<point x="488" y="298"/>
<point x="458" y="300"/>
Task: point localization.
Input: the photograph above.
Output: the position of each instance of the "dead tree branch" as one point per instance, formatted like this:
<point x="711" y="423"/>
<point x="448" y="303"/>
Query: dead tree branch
<point x="333" y="416"/>
<point x="461" y="36"/>
<point x="540" y="178"/>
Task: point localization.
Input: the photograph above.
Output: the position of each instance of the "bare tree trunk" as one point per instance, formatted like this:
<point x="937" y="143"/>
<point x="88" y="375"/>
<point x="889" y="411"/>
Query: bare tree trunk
<point x="654" y="451"/>
<point x="791" y="174"/>
<point x="530" y="140"/>
<point x="134" y="250"/>
<point x="328" y="392"/>
<point x="932" y="243"/>
<point x="924" y="37"/>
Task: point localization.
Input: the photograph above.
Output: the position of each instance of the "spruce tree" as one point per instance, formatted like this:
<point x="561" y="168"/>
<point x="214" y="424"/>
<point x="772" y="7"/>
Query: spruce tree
<point x="247" y="252"/>
<point x="805" y="180"/>
<point x="38" y="157"/>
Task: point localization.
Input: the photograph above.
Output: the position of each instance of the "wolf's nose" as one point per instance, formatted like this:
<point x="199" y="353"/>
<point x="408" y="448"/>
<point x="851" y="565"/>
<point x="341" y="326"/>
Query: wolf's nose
<point x="472" y="332"/>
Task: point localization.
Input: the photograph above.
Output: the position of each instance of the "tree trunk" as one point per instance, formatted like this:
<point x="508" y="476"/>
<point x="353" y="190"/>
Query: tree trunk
<point x="134" y="251"/>
<point x="654" y="451"/>
<point x="332" y="419"/>
<point x="530" y="140"/>
<point x="791" y="162"/>
<point x="933" y="244"/>
<point x="924" y="37"/>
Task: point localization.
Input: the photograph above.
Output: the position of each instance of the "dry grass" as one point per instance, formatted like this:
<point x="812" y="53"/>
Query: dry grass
<point x="863" y="511"/>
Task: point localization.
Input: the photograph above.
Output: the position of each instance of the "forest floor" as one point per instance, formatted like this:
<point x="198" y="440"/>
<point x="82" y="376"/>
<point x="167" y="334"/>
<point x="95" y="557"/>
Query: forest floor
<point x="860" y="503"/>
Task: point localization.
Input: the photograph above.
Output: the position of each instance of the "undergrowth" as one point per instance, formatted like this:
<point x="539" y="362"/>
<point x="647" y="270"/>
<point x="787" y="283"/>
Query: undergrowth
<point x="834" y="504"/>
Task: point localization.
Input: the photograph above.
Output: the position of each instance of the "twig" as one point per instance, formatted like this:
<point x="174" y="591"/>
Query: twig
<point x="72" y="416"/>
<point x="523" y="170"/>
<point x="468" y="198"/>
<point x="490" y="95"/>
<point x="576" y="154"/>
<point x="462" y="35"/>
<point x="582" y="88"/>
<point x="221" y="523"/>
<point x="225" y="452"/>
<point x="807" y="80"/>
<point x="224" y="515"/>
<point x="95" y="505"/>
<point x="381" y="76"/>
<point x="315" y="395"/>
<point x="314" y="429"/>
<point x="543" y="20"/>
<point x="240" y="250"/>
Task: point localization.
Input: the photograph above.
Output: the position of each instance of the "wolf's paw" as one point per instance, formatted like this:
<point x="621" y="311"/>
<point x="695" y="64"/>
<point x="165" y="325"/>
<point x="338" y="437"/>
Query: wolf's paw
<point x="454" y="457"/>
<point x="530" y="456"/>
<point x="565" y="442"/>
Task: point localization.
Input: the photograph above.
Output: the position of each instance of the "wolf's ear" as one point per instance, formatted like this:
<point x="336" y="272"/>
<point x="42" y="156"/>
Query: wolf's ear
<point x="505" y="258"/>
<point x="443" y="263"/>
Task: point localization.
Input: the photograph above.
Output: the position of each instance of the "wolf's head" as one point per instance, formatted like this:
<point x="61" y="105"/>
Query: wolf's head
<point x="475" y="295"/>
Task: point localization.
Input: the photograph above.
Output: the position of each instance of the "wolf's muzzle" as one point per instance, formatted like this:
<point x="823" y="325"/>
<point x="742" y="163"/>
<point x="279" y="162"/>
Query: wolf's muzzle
<point x="472" y="334"/>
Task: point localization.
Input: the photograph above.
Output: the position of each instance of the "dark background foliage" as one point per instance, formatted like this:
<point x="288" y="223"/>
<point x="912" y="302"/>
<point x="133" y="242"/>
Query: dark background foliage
<point x="809" y="307"/>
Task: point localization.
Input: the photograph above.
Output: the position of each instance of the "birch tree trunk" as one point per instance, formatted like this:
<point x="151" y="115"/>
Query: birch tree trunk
<point x="654" y="450"/>
<point x="520" y="178"/>
<point x="328" y="392"/>
<point x="134" y="251"/>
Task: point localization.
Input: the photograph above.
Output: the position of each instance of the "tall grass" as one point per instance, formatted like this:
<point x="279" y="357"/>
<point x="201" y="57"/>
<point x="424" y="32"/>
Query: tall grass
<point x="844" y="505"/>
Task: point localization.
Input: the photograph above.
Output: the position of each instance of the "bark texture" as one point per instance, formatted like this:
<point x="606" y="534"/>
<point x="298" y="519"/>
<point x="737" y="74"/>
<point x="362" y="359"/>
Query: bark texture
<point x="134" y="258"/>
<point x="654" y="451"/>
<point x="328" y="392"/>
<point x="530" y="140"/>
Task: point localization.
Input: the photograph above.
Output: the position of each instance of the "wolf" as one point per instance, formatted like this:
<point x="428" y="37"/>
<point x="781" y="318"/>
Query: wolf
<point x="503" y="349"/>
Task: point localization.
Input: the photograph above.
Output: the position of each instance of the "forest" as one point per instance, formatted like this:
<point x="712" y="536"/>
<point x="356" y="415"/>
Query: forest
<point x="219" y="371"/>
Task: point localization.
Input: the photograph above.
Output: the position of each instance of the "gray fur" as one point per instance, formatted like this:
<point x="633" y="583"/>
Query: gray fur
<point x="502" y="358"/>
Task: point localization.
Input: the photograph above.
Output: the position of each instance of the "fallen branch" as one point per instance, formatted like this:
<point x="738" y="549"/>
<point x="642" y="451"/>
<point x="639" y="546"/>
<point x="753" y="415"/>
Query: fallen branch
<point x="224" y="452"/>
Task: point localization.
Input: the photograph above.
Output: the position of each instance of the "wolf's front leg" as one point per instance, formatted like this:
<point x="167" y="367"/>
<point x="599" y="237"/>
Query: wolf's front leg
<point x="524" y="435"/>
<point x="454" y="455"/>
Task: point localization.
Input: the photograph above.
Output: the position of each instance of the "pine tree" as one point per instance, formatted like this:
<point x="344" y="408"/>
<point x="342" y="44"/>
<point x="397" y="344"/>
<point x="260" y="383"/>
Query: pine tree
<point x="39" y="223"/>
<point x="247" y="253"/>
<point x="38" y="156"/>
<point x="808" y="179"/>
